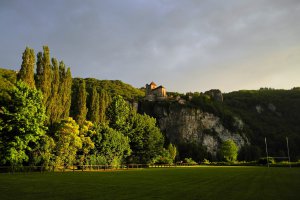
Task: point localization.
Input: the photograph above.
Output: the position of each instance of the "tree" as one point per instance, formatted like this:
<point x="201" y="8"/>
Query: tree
<point x="146" y="139"/>
<point x="54" y="99"/>
<point x="87" y="130"/>
<point x="111" y="144"/>
<point x="104" y="102"/>
<point x="43" y="153"/>
<point x="68" y="142"/>
<point x="26" y="73"/>
<point x="229" y="150"/>
<point x="94" y="111"/>
<point x="65" y="90"/>
<point x="44" y="78"/>
<point x="21" y="124"/>
<point x="173" y="151"/>
<point x="118" y="114"/>
<point x="81" y="104"/>
<point x="39" y="70"/>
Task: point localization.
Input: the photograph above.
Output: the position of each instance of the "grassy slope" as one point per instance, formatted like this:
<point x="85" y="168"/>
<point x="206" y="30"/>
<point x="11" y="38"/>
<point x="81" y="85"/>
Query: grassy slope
<point x="177" y="183"/>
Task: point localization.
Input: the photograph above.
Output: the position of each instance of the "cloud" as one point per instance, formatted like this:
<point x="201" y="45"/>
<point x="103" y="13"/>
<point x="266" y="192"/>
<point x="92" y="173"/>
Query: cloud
<point x="184" y="45"/>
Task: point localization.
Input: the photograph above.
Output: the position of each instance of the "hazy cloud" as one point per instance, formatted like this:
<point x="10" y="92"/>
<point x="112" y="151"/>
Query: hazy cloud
<point x="185" y="45"/>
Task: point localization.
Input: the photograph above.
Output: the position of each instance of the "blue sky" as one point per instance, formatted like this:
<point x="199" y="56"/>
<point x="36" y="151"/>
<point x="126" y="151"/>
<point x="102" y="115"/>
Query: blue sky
<point x="190" y="45"/>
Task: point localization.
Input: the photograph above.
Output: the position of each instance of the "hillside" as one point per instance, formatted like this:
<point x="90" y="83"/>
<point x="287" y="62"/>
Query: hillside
<point x="113" y="87"/>
<point x="199" y="123"/>
<point x="246" y="116"/>
<point x="270" y="113"/>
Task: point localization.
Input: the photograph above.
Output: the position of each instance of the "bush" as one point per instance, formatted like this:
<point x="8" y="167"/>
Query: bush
<point x="205" y="162"/>
<point x="189" y="161"/>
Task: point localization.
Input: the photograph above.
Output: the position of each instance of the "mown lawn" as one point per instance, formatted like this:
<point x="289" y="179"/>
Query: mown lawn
<point x="172" y="183"/>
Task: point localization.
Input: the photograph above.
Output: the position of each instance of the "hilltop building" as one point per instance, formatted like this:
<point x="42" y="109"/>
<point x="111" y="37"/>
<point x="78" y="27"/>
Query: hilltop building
<point x="154" y="93"/>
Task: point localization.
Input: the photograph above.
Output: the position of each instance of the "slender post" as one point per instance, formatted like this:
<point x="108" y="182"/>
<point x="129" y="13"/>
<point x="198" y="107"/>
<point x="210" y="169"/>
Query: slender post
<point x="288" y="150"/>
<point x="267" y="152"/>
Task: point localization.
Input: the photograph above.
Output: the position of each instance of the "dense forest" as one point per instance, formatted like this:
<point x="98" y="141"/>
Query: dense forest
<point x="49" y="119"/>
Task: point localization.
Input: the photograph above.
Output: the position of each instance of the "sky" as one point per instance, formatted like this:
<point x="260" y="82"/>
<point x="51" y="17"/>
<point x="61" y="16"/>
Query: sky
<point x="186" y="46"/>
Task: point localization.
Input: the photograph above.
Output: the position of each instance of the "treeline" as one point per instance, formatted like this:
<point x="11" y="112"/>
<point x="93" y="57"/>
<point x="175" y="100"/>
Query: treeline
<point x="270" y="113"/>
<point x="47" y="120"/>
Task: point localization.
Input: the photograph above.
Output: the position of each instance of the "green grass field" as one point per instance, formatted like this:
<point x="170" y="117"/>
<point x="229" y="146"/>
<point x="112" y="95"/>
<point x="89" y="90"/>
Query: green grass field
<point x="169" y="183"/>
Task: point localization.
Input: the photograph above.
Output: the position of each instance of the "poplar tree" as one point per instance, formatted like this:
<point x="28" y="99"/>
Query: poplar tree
<point x="94" y="113"/>
<point x="54" y="103"/>
<point x="81" y="104"/>
<point x="65" y="89"/>
<point x="66" y="99"/>
<point x="104" y="101"/>
<point x="26" y="73"/>
<point x="39" y="70"/>
<point x="44" y="78"/>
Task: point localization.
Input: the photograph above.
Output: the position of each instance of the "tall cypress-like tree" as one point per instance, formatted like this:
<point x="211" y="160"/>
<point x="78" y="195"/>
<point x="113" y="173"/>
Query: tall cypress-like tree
<point x="93" y="114"/>
<point x="54" y="100"/>
<point x="44" y="77"/>
<point x="104" y="101"/>
<point x="66" y="98"/>
<point x="26" y="73"/>
<point x="81" y="104"/>
<point x="39" y="70"/>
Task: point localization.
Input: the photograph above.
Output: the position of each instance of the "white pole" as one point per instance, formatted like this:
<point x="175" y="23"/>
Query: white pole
<point x="288" y="149"/>
<point x="267" y="152"/>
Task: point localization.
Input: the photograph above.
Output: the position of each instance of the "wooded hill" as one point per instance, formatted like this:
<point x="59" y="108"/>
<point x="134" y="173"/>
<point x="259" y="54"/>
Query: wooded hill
<point x="270" y="113"/>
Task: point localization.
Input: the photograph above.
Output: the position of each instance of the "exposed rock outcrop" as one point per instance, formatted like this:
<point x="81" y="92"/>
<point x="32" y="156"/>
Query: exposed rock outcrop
<point x="215" y="94"/>
<point x="183" y="124"/>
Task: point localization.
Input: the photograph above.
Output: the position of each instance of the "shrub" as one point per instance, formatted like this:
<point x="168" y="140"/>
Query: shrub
<point x="189" y="161"/>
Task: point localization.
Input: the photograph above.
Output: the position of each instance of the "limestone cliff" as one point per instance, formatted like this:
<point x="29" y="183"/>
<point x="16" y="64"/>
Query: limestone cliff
<point x="185" y="124"/>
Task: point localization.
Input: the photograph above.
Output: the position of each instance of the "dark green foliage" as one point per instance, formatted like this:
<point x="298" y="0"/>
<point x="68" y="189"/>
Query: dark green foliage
<point x="86" y="132"/>
<point x="163" y="158"/>
<point x="21" y="124"/>
<point x="43" y="153"/>
<point x="269" y="113"/>
<point x="193" y="150"/>
<point x="7" y="82"/>
<point x="65" y="91"/>
<point x="249" y="153"/>
<point x="118" y="114"/>
<point x="44" y="79"/>
<point x="54" y="106"/>
<point x="94" y="109"/>
<point x="80" y="102"/>
<point x="111" y="144"/>
<point x="26" y="73"/>
<point x="146" y="139"/>
<point x="55" y="83"/>
<point x="104" y="102"/>
<point x="39" y="70"/>
<point x="114" y="88"/>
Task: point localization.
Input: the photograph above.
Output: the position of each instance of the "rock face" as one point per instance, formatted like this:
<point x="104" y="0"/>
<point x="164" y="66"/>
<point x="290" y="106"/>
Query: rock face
<point x="215" y="94"/>
<point x="183" y="124"/>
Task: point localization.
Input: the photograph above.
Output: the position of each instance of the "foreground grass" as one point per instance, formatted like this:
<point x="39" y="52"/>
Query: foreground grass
<point x="172" y="183"/>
